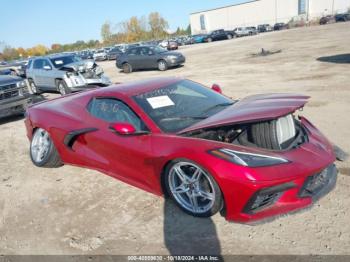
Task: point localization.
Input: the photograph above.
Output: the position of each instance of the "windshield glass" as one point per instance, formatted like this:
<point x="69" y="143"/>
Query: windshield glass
<point x="64" y="60"/>
<point x="158" y="49"/>
<point x="181" y="105"/>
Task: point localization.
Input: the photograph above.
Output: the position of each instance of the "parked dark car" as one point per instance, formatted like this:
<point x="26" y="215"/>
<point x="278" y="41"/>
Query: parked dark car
<point x="220" y="34"/>
<point x="14" y="95"/>
<point x="113" y="53"/>
<point x="149" y="57"/>
<point x="264" y="28"/>
<point x="280" y="26"/>
<point x="342" y="17"/>
<point x="86" y="55"/>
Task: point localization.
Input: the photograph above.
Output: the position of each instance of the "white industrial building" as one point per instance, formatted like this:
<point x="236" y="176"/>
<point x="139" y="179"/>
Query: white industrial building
<point x="257" y="12"/>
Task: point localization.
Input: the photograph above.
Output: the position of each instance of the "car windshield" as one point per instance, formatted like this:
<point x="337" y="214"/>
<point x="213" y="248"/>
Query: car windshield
<point x="181" y="105"/>
<point x="158" y="49"/>
<point x="64" y="60"/>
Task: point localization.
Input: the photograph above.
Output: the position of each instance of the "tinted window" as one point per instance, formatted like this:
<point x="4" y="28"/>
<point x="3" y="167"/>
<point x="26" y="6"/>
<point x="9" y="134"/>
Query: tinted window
<point x="181" y="105"/>
<point x="134" y="51"/>
<point x="38" y="64"/>
<point x="144" y="51"/>
<point x="114" y="111"/>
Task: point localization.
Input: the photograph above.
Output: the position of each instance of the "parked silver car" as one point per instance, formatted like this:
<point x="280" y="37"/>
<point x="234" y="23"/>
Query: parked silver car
<point x="244" y="31"/>
<point x="100" y="54"/>
<point x="64" y="73"/>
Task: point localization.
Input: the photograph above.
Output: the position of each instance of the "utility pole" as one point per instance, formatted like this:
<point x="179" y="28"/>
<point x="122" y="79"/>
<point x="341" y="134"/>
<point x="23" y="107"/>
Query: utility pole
<point x="275" y="11"/>
<point x="333" y="7"/>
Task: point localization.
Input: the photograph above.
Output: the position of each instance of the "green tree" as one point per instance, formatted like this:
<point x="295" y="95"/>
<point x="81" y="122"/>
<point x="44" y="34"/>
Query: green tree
<point x="106" y="32"/>
<point x="158" y="25"/>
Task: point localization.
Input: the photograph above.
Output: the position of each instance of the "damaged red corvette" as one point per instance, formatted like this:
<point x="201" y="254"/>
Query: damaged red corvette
<point x="249" y="159"/>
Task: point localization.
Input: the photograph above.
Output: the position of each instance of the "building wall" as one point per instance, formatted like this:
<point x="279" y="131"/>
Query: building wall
<point x="261" y="12"/>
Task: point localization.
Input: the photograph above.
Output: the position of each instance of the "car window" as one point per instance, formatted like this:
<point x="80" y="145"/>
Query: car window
<point x="38" y="64"/>
<point x="134" y="51"/>
<point x="115" y="111"/>
<point x="144" y="51"/>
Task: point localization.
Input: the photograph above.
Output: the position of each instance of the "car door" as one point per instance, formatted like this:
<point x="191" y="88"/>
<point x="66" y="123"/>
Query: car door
<point x="37" y="72"/>
<point x="148" y="58"/>
<point x="48" y="75"/>
<point x="127" y="157"/>
<point x="134" y="58"/>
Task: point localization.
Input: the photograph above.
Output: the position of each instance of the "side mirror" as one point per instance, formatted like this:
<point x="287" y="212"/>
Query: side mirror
<point x="47" y="67"/>
<point x="216" y="88"/>
<point x="123" y="128"/>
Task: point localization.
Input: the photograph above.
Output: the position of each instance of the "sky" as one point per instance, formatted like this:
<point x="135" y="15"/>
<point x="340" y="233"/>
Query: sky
<point x="25" y="23"/>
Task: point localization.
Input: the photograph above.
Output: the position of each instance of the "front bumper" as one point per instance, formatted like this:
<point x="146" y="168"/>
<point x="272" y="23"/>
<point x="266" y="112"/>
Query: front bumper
<point x="14" y="105"/>
<point x="79" y="83"/>
<point x="176" y="61"/>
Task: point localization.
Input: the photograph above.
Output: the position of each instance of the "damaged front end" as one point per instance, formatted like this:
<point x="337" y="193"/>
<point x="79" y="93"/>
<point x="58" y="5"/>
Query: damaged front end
<point x="84" y="74"/>
<point x="283" y="133"/>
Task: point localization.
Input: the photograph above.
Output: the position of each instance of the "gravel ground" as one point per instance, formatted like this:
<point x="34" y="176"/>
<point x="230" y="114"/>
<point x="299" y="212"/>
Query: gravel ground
<point x="77" y="211"/>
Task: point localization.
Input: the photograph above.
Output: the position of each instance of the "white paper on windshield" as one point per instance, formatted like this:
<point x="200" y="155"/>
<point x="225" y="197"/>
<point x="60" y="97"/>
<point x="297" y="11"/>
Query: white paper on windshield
<point x="58" y="62"/>
<point x="160" y="101"/>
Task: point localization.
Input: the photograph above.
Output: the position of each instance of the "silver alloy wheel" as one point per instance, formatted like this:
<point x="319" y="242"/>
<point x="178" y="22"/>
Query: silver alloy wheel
<point x="191" y="187"/>
<point x="62" y="88"/>
<point x="162" y="65"/>
<point x="40" y="145"/>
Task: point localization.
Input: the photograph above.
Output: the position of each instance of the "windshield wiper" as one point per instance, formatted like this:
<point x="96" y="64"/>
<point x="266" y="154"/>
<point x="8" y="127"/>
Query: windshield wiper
<point x="216" y="106"/>
<point x="183" y="117"/>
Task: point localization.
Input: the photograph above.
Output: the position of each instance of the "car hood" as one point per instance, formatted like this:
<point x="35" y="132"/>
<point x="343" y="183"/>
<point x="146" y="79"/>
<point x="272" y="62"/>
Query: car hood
<point x="6" y="79"/>
<point x="79" y="66"/>
<point x="253" y="108"/>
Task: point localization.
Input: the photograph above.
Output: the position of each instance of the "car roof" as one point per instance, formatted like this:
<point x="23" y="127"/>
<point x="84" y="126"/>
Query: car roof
<point x="137" y="87"/>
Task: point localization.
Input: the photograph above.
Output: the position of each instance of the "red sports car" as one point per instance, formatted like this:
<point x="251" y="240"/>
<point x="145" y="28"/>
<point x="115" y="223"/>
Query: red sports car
<point x="250" y="159"/>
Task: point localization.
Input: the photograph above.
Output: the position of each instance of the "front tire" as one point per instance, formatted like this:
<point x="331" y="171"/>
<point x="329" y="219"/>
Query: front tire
<point x="229" y="37"/>
<point x="192" y="188"/>
<point x="210" y="40"/>
<point x="42" y="150"/>
<point x="162" y="65"/>
<point x="127" y="68"/>
<point x="62" y="87"/>
<point x="33" y="88"/>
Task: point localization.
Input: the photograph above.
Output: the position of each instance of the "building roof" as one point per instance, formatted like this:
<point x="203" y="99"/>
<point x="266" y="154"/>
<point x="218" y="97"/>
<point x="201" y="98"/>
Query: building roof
<point x="247" y="2"/>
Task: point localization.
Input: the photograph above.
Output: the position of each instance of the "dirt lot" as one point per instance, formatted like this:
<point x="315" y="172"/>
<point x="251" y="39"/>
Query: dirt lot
<point x="76" y="211"/>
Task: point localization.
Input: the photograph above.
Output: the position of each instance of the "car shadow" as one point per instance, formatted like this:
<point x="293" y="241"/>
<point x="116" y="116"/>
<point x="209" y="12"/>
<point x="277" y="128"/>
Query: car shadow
<point x="338" y="59"/>
<point x="149" y="70"/>
<point x="188" y="235"/>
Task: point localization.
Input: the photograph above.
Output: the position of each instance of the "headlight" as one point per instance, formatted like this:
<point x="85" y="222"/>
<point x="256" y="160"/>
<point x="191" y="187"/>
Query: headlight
<point x="21" y="84"/>
<point x="248" y="159"/>
<point x="172" y="57"/>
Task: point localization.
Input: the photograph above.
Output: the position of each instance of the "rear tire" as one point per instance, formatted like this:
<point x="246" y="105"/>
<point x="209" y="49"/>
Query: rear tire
<point x="229" y="37"/>
<point x="210" y="40"/>
<point x="162" y="65"/>
<point x="127" y="68"/>
<point x="42" y="150"/>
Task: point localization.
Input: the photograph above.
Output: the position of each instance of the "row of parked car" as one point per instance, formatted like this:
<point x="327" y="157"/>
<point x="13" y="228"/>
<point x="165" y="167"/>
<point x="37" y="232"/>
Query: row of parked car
<point x="344" y="17"/>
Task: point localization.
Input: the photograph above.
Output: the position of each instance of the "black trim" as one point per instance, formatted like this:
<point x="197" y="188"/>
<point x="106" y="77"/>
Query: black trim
<point x="72" y="136"/>
<point x="266" y="191"/>
<point x="323" y="189"/>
